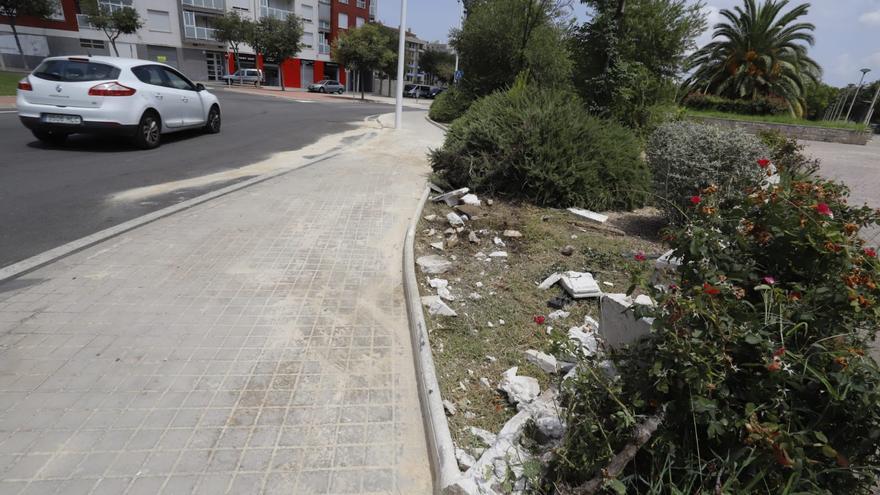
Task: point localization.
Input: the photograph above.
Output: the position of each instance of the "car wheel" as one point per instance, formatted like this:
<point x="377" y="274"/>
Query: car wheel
<point x="321" y="90"/>
<point x="148" y="131"/>
<point x="340" y="91"/>
<point x="212" y="126"/>
<point x="50" y="137"/>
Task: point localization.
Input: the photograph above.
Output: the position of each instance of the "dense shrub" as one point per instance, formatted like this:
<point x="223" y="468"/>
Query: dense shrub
<point x="757" y="360"/>
<point x="450" y="105"/>
<point x="758" y="106"/>
<point x="686" y="157"/>
<point x="540" y="145"/>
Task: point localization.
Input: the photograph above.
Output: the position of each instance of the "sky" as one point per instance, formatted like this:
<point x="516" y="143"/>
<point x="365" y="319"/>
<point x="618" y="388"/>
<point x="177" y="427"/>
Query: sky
<point x="847" y="31"/>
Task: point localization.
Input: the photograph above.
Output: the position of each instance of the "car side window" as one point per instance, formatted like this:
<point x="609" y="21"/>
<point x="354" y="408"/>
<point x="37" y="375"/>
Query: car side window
<point x="177" y="81"/>
<point x="150" y="74"/>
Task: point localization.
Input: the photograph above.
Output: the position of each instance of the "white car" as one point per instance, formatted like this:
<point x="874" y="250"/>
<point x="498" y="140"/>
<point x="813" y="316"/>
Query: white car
<point x="108" y="95"/>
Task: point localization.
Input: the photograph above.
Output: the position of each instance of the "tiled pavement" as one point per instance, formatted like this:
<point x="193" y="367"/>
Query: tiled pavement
<point x="254" y="344"/>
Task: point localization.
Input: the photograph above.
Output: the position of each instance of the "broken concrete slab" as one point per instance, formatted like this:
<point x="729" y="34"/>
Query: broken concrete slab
<point x="498" y="242"/>
<point x="512" y="233"/>
<point x="544" y="361"/>
<point x="665" y="269"/>
<point x="437" y="245"/>
<point x="471" y="199"/>
<point x="559" y="315"/>
<point x="519" y="389"/>
<point x="586" y="342"/>
<point x="452" y="197"/>
<point x="475" y="296"/>
<point x="580" y="285"/>
<point x="430" y="217"/>
<point x="454" y="219"/>
<point x="434" y="264"/>
<point x="465" y="460"/>
<point x="619" y="324"/>
<point x="471" y="211"/>
<point x="498" y="254"/>
<point x="450" y="408"/>
<point x="452" y="241"/>
<point x="472" y="237"/>
<point x="550" y="281"/>
<point x="436" y="306"/>
<point x="442" y="287"/>
<point x="589" y="215"/>
<point x="486" y="437"/>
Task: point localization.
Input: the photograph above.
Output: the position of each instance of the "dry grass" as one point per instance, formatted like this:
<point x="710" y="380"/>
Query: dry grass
<point x="461" y="344"/>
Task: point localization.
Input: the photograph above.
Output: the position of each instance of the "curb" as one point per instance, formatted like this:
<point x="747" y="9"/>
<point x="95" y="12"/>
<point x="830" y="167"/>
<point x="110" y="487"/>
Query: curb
<point x="441" y="450"/>
<point x="438" y="124"/>
<point x="30" y="264"/>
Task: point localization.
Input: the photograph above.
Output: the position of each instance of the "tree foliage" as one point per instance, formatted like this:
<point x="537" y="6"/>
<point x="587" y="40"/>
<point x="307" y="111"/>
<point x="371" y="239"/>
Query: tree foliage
<point x="113" y="22"/>
<point x="234" y="30"/>
<point x="438" y="65"/>
<point x="12" y="9"/>
<point x="278" y="40"/>
<point x="759" y="50"/>
<point x="365" y="49"/>
<point x="503" y="38"/>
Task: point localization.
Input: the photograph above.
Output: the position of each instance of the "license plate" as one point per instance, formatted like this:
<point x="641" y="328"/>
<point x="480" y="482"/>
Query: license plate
<point x="54" y="118"/>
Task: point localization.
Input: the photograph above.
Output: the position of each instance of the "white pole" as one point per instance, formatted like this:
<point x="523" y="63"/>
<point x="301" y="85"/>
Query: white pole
<point x="873" y="103"/>
<point x="401" y="45"/>
<point x="856" y="96"/>
<point x="460" y="17"/>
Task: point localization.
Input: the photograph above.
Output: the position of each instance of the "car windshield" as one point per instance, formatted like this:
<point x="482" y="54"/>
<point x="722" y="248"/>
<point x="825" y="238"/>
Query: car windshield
<point x="323" y="81"/>
<point x="75" y="71"/>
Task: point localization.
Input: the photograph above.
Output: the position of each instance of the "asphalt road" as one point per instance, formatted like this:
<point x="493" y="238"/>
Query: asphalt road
<point x="50" y="196"/>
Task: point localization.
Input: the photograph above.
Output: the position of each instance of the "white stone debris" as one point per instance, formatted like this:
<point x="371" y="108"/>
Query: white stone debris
<point x="480" y="255"/>
<point x="591" y="324"/>
<point x="609" y="284"/>
<point x="434" y="264"/>
<point x="452" y="197"/>
<point x="478" y="284"/>
<point x="665" y="268"/>
<point x="519" y="389"/>
<point x="462" y="386"/>
<point x="512" y="233"/>
<point x="487" y="437"/>
<point x="450" y="231"/>
<point x="490" y="202"/>
<point x="454" y="219"/>
<point x="486" y="383"/>
<point x="431" y="217"/>
<point x="585" y="340"/>
<point x="436" y="306"/>
<point x="498" y="242"/>
<point x="475" y="296"/>
<point x="465" y="460"/>
<point x="452" y="241"/>
<point x="449" y="407"/>
<point x="491" y="359"/>
<point x="551" y="427"/>
<point x="498" y="254"/>
<point x="471" y="199"/>
<point x="580" y="285"/>
<point x="544" y="361"/>
<point x="431" y="232"/>
<point x="619" y="324"/>
<point x="442" y="287"/>
<point x="472" y="237"/>
<point x="589" y="215"/>
<point x="550" y="281"/>
<point x="437" y="245"/>
<point x="574" y="236"/>
<point x="559" y="314"/>
<point x="501" y="322"/>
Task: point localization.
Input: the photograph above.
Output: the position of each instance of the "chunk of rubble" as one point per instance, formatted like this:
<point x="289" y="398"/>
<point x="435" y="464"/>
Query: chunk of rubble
<point x="487" y="437"/>
<point x="498" y="254"/>
<point x="550" y="281"/>
<point x="519" y="389"/>
<point x="452" y="241"/>
<point x="437" y="245"/>
<point x="512" y="233"/>
<point x="451" y="198"/>
<point x="580" y="285"/>
<point x="465" y="460"/>
<point x="586" y="341"/>
<point x="550" y="427"/>
<point x="449" y="407"/>
<point x="471" y="199"/>
<point x="434" y="264"/>
<point x="436" y="306"/>
<point x="442" y="287"/>
<point x="431" y="217"/>
<point x="544" y="361"/>
<point x="568" y="250"/>
<point x="589" y="215"/>
<point x="498" y="242"/>
<point x="665" y="269"/>
<point x="475" y="296"/>
<point x="619" y="325"/>
<point x="454" y="219"/>
<point x="472" y="237"/>
<point x="591" y="323"/>
<point x="559" y="315"/>
<point x="471" y="211"/>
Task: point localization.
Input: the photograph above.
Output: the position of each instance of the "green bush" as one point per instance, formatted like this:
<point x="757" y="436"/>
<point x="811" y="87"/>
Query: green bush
<point x="450" y="105"/>
<point x="759" y="106"/>
<point x="541" y="146"/>
<point x="757" y="359"/>
<point x="686" y="157"/>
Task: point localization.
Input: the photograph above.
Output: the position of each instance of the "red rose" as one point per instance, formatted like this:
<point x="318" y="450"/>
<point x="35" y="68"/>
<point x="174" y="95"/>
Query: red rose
<point x="640" y="256"/>
<point x="539" y="320"/>
<point x="695" y="200"/>
<point x="764" y="163"/>
<point x="823" y="209"/>
<point x="779" y="352"/>
<point x="870" y="253"/>
<point x="710" y="290"/>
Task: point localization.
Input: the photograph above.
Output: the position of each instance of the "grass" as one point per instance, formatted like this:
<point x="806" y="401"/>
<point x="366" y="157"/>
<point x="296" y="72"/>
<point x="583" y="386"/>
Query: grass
<point x="778" y="119"/>
<point x="9" y="82"/>
<point x="461" y="344"/>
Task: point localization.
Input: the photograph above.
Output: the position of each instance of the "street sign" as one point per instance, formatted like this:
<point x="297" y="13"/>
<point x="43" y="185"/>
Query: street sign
<point x="458" y="75"/>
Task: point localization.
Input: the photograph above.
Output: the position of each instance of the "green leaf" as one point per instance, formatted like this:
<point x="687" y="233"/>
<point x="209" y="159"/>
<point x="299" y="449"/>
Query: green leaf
<point x="753" y="339"/>
<point x="616" y="485"/>
<point x="829" y="452"/>
<point x="821" y="436"/>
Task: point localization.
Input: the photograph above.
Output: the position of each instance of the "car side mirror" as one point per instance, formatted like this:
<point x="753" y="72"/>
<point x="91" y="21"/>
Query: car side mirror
<point x="200" y="87"/>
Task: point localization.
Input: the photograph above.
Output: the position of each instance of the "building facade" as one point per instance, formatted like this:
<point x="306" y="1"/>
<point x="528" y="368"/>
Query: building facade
<point x="181" y="33"/>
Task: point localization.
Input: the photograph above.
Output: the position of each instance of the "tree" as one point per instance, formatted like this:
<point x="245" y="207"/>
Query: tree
<point x="41" y="9"/>
<point x="232" y="30"/>
<point x="819" y="96"/>
<point x="365" y="49"/>
<point x="113" y="22"/>
<point x="437" y="64"/>
<point x="278" y="40"/>
<point x="502" y="38"/>
<point x="758" y="51"/>
<point x="628" y="54"/>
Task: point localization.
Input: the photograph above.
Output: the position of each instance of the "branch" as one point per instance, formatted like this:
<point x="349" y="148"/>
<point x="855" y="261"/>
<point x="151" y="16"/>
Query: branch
<point x="616" y="465"/>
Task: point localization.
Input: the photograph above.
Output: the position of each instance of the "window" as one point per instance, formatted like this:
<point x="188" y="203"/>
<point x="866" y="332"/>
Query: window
<point x="158" y="20"/>
<point x="75" y="71"/>
<point x="359" y="21"/>
<point x="84" y="43"/>
<point x="115" y="5"/>
<point x="308" y="12"/>
<point x="150" y="74"/>
<point x="362" y="4"/>
<point x="177" y="81"/>
<point x="343" y="20"/>
<point x="308" y="40"/>
<point x="344" y="1"/>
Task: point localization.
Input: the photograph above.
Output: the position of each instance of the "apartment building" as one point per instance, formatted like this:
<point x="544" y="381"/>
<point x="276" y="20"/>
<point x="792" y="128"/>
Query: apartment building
<point x="181" y="33"/>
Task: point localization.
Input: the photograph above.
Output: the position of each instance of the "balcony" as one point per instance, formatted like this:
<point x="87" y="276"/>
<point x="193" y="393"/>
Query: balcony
<point x="200" y="33"/>
<point x="206" y="4"/>
<point x="324" y="26"/>
<point x="276" y="13"/>
<point x="324" y="49"/>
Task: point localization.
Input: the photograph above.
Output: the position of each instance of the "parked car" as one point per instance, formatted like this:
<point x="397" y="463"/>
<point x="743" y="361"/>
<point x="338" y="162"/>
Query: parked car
<point x="108" y="95"/>
<point x="326" y="86"/>
<point x="416" y="91"/>
<point x="244" y="76"/>
<point x="435" y="91"/>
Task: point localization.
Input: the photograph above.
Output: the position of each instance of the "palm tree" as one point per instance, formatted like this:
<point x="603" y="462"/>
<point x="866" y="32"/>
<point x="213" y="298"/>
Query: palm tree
<point x="758" y="51"/>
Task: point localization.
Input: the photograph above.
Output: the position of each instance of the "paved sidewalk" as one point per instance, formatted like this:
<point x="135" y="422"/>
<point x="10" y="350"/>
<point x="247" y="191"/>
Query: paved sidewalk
<point x="257" y="343"/>
<point x="303" y="95"/>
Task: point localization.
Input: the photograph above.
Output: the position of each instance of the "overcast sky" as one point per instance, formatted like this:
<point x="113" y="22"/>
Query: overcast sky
<point x="847" y="31"/>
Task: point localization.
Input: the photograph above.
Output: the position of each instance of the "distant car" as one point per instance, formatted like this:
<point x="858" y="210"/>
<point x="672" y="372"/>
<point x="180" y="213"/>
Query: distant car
<point x="326" y="86"/>
<point x="435" y="91"/>
<point x="416" y="91"/>
<point x="244" y="76"/>
<point x="109" y="95"/>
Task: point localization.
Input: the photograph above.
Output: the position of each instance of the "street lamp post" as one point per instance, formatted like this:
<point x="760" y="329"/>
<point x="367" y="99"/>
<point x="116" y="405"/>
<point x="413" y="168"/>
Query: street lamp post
<point x="460" y="17"/>
<point x="873" y="104"/>
<point x="855" y="97"/>
<point x="401" y="46"/>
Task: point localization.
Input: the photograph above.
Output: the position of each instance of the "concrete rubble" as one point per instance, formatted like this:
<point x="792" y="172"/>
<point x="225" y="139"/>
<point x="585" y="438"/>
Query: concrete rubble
<point x="550" y="281"/>
<point x="437" y="245"/>
<point x="519" y="389"/>
<point x="472" y="237"/>
<point x="454" y="219"/>
<point x="431" y="217"/>
<point x="465" y="460"/>
<point x="450" y="408"/>
<point x="498" y="254"/>
<point x="442" y="287"/>
<point x="589" y="215"/>
<point x="512" y="233"/>
<point x="544" y="361"/>
<point x="568" y="250"/>
<point x="471" y="199"/>
<point x="580" y="285"/>
<point x="434" y="264"/>
<point x="665" y="269"/>
<point x="619" y="325"/>
<point x="436" y="306"/>
<point x="451" y="198"/>
<point x="559" y="315"/>
<point x="498" y="242"/>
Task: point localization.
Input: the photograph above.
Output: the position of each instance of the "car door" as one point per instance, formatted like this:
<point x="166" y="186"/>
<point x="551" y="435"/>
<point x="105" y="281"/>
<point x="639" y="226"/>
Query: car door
<point x="186" y="98"/>
<point x="161" y="95"/>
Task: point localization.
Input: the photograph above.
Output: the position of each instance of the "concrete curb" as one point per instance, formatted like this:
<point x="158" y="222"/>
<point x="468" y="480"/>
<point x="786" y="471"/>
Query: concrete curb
<point x="27" y="265"/>
<point x="438" y="124"/>
<point x="441" y="450"/>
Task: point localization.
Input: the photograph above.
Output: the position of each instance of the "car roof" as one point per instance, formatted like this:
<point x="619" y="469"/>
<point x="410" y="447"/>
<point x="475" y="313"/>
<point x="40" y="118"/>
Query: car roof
<point x="120" y="62"/>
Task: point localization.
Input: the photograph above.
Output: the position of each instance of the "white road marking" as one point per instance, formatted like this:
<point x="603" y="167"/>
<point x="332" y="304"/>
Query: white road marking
<point x="8" y="111"/>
